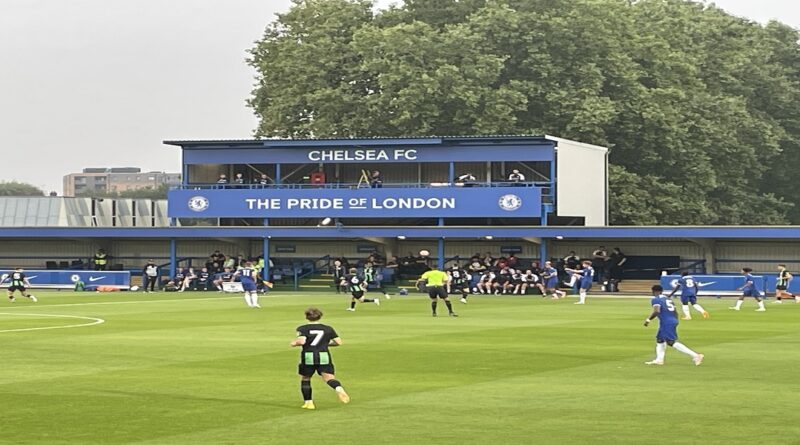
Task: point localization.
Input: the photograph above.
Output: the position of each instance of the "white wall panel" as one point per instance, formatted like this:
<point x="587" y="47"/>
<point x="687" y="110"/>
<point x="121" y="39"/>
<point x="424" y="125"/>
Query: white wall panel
<point x="581" y="187"/>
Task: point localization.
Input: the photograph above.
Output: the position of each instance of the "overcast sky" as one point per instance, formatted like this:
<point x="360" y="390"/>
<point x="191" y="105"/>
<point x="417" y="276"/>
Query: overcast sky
<point x="94" y="83"/>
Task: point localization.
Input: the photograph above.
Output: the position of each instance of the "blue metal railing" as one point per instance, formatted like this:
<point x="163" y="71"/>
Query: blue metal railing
<point x="343" y="185"/>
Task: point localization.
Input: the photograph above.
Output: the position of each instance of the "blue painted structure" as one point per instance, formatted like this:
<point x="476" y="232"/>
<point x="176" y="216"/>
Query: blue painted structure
<point x="67" y="279"/>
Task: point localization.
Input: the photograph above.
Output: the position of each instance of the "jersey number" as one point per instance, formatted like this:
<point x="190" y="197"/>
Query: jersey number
<point x="689" y="282"/>
<point x="670" y="306"/>
<point x="318" y="336"/>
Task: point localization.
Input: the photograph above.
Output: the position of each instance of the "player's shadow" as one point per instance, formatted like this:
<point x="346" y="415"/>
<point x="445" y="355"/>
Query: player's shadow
<point x="193" y="398"/>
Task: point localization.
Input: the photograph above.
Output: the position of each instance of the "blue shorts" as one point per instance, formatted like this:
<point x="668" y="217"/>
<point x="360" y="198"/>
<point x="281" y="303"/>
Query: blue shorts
<point x="249" y="286"/>
<point x="751" y="293"/>
<point x="667" y="332"/>
<point x="686" y="299"/>
<point x="586" y="284"/>
<point x="551" y="283"/>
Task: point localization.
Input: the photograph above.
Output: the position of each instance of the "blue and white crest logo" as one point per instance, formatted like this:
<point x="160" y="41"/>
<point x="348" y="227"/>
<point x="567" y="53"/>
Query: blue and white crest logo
<point x="198" y="203"/>
<point x="510" y="202"/>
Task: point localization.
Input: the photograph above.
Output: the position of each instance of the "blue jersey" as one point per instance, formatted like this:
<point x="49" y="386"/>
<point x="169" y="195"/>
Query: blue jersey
<point x="687" y="284"/>
<point x="667" y="314"/>
<point x="248" y="274"/>
<point x="753" y="287"/>
<point x="588" y="274"/>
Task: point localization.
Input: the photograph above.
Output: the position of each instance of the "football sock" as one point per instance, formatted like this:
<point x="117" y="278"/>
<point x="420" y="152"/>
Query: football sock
<point x="353" y="304"/>
<point x="449" y="306"/>
<point x="254" y="298"/>
<point x="761" y="304"/>
<point x="683" y="348"/>
<point x="433" y="306"/>
<point x="368" y="300"/>
<point x="661" y="351"/>
<point x="305" y="388"/>
<point x="698" y="308"/>
<point x="464" y="295"/>
<point x="335" y="384"/>
<point x="583" y="296"/>
<point x="247" y="299"/>
<point x="739" y="303"/>
<point x="685" y="308"/>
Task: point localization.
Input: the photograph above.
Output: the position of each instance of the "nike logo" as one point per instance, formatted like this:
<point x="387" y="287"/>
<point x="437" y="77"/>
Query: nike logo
<point x="93" y="279"/>
<point x="706" y="284"/>
<point x="32" y="277"/>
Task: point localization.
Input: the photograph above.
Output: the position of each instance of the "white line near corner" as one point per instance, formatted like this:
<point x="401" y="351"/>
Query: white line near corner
<point x="93" y="321"/>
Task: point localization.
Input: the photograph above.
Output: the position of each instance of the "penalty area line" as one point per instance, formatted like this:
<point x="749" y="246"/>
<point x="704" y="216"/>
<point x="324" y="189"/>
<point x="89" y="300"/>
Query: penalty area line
<point x="93" y="321"/>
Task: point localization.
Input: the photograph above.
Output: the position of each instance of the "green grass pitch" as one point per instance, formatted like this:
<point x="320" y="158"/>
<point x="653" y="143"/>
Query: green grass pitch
<point x="203" y="368"/>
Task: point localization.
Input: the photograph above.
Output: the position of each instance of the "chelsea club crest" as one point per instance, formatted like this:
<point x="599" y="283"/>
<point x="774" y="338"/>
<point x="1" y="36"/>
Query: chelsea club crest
<point x="510" y="202"/>
<point x="198" y="203"/>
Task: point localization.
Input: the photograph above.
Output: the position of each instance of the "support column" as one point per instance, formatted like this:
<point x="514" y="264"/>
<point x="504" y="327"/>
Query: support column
<point x="173" y="257"/>
<point x="265" y="253"/>
<point x="452" y="173"/>
<point x="440" y="260"/>
<point x="278" y="179"/>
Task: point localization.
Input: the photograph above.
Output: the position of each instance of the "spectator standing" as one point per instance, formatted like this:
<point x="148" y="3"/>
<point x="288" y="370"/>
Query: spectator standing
<point x="376" y="181"/>
<point x="338" y="272"/>
<point x="516" y="177"/>
<point x="100" y="260"/>
<point x="599" y="258"/>
<point x="223" y="180"/>
<point x="263" y="180"/>
<point x="616" y="263"/>
<point x="572" y="260"/>
<point x="512" y="260"/>
<point x="150" y="276"/>
<point x="238" y="180"/>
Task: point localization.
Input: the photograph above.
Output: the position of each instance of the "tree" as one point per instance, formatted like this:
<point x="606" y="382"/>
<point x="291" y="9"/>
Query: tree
<point x="159" y="192"/>
<point x="15" y="188"/>
<point x="698" y="106"/>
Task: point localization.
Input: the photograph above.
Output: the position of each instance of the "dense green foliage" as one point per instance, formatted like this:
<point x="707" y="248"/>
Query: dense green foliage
<point x="159" y="192"/>
<point x="699" y="107"/>
<point x="204" y="369"/>
<point x="14" y="188"/>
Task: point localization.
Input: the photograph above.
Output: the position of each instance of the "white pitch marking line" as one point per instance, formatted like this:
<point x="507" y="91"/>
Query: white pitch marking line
<point x="126" y="302"/>
<point x="95" y="321"/>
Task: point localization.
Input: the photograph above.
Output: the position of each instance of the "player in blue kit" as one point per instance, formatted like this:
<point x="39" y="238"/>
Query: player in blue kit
<point x="587" y="276"/>
<point x="750" y="289"/>
<point x="249" y="275"/>
<point x="667" y="328"/>
<point x="550" y="278"/>
<point x="689" y="289"/>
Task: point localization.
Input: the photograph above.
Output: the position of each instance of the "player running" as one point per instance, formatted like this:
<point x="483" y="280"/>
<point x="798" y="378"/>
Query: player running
<point x="372" y="278"/>
<point x="550" y="277"/>
<point x="750" y="289"/>
<point x="689" y="291"/>
<point x="18" y="282"/>
<point x="667" y="328"/>
<point x="435" y="280"/>
<point x="459" y="281"/>
<point x="782" y="285"/>
<point x="355" y="285"/>
<point x="248" y="276"/>
<point x="315" y="339"/>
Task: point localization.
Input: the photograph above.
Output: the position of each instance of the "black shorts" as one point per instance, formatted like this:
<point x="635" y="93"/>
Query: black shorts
<point x="358" y="295"/>
<point x="14" y="288"/>
<point x="780" y="287"/>
<point x="437" y="292"/>
<point x="309" y="370"/>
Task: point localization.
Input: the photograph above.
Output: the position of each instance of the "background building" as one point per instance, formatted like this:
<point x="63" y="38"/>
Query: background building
<point x="116" y="180"/>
